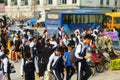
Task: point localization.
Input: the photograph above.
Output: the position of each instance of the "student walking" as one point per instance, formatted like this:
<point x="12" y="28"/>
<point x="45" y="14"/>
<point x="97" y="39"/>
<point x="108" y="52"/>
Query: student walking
<point x="80" y="54"/>
<point x="56" y="64"/>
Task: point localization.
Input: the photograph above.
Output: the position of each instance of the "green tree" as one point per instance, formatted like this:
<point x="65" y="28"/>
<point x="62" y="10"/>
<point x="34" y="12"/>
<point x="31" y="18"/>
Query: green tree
<point x="1" y="1"/>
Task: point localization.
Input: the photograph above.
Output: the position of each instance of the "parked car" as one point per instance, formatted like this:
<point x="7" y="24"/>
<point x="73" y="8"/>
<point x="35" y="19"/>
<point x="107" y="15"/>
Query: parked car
<point x="16" y="27"/>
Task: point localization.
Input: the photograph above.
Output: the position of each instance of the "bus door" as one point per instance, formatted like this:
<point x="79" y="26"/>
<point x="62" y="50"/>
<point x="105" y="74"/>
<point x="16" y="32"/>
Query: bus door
<point x="109" y="22"/>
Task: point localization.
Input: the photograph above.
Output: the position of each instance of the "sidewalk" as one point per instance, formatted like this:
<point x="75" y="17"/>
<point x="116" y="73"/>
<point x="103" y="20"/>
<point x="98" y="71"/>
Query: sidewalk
<point x="106" y="75"/>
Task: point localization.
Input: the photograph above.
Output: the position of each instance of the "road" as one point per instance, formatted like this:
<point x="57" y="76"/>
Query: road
<point x="106" y="75"/>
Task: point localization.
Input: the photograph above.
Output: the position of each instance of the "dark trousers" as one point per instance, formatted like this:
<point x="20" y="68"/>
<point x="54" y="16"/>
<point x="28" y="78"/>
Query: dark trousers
<point x="69" y="72"/>
<point x="58" y="75"/>
<point x="29" y="76"/>
<point x="82" y="67"/>
<point x="9" y="77"/>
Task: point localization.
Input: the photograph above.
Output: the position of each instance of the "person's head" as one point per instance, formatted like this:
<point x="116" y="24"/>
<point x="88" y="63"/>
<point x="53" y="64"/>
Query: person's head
<point x="40" y="39"/>
<point x="6" y="52"/>
<point x="34" y="39"/>
<point x="59" y="50"/>
<point x="87" y="38"/>
<point x="2" y="47"/>
<point x="70" y="47"/>
<point x="59" y="29"/>
<point x="27" y="56"/>
<point x="47" y="44"/>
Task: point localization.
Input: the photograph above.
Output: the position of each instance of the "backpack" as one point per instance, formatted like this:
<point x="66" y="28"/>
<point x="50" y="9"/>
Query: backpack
<point x="72" y="57"/>
<point x="29" y="67"/>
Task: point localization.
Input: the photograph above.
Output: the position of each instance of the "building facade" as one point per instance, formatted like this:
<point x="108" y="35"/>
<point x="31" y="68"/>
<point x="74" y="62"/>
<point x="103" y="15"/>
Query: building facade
<point x="38" y="8"/>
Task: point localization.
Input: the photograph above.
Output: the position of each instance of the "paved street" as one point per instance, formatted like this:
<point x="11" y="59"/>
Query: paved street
<point x="106" y="75"/>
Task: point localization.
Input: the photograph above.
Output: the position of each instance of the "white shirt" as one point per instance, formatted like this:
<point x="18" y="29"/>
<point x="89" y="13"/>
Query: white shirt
<point x="78" y="50"/>
<point x="54" y="43"/>
<point x="53" y="58"/>
<point x="5" y="64"/>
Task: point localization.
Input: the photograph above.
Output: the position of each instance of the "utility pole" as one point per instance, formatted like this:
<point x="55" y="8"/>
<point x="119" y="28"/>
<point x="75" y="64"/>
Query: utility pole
<point x="34" y="6"/>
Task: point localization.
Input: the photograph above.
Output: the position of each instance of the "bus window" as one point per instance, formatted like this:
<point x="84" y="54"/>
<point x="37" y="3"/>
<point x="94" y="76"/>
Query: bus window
<point x="65" y="18"/>
<point x="74" y="19"/>
<point x="97" y="18"/>
<point x="100" y="19"/>
<point x="78" y="19"/>
<point x="109" y="19"/>
<point x="116" y="20"/>
<point x="92" y="18"/>
<point x="70" y="17"/>
<point x="85" y="18"/>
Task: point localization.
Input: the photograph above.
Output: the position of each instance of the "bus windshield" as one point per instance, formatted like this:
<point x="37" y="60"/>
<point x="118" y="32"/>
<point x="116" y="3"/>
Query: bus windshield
<point x="117" y="20"/>
<point x="53" y="16"/>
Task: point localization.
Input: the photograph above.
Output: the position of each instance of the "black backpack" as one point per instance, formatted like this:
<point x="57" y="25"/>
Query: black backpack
<point x="29" y="67"/>
<point x="72" y="57"/>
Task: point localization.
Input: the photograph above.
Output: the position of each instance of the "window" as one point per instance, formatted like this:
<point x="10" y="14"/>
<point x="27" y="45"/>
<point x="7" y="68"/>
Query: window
<point x="92" y="19"/>
<point x="74" y="1"/>
<point x="117" y="20"/>
<point x="14" y="2"/>
<point x="6" y="2"/>
<point x="115" y="2"/>
<point x="24" y="2"/>
<point x="101" y="1"/>
<point x="107" y="2"/>
<point x="37" y="2"/>
<point x="64" y="1"/>
<point x="109" y="19"/>
<point x="50" y="2"/>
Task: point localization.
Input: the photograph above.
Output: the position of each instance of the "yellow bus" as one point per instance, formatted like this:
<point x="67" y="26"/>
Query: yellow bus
<point x="113" y="20"/>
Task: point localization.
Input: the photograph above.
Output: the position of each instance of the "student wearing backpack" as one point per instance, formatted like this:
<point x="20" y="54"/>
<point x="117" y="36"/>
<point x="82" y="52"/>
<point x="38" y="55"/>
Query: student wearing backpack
<point x="80" y="54"/>
<point x="29" y="67"/>
<point x="70" y="70"/>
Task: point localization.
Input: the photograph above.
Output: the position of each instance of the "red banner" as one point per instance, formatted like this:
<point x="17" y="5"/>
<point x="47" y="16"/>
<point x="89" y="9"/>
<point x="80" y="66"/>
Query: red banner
<point x="2" y="7"/>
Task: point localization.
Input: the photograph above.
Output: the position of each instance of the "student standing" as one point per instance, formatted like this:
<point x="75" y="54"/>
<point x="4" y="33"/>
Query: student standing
<point x="80" y="54"/>
<point x="5" y="65"/>
<point x="70" y="70"/>
<point x="29" y="67"/>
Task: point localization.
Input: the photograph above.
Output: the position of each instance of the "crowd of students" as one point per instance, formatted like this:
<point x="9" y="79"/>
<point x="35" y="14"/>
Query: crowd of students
<point x="40" y="53"/>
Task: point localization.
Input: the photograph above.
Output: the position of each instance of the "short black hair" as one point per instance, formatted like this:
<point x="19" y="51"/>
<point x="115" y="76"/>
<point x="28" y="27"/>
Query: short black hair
<point x="27" y="55"/>
<point x="70" y="45"/>
<point x="88" y="36"/>
<point x="6" y="51"/>
<point x="60" y="49"/>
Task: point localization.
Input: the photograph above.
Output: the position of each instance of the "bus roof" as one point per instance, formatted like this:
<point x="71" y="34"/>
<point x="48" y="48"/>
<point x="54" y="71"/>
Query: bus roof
<point x="83" y="12"/>
<point x="114" y="14"/>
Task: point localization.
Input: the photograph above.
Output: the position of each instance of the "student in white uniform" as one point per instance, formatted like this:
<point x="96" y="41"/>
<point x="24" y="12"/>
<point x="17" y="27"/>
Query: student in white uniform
<point x="80" y="54"/>
<point x="5" y="65"/>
